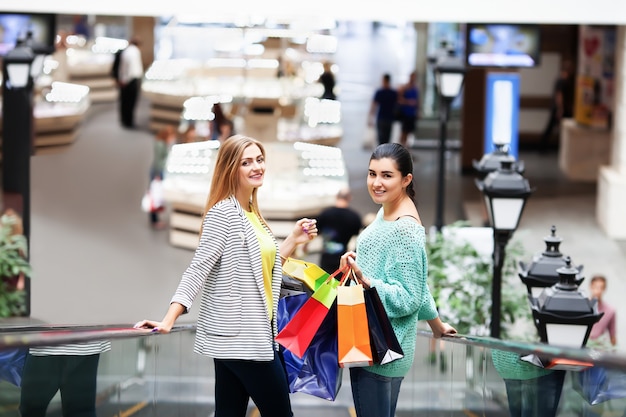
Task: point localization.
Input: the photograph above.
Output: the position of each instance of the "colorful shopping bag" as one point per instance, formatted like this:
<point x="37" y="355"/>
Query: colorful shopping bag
<point x="12" y="364"/>
<point x="597" y="384"/>
<point x="298" y="333"/>
<point x="352" y="328"/>
<point x="307" y="272"/>
<point x="385" y="345"/>
<point x="317" y="373"/>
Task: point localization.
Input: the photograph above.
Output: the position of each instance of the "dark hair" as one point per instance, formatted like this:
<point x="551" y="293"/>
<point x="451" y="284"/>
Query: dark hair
<point x="598" y="278"/>
<point x="387" y="77"/>
<point x="401" y="156"/>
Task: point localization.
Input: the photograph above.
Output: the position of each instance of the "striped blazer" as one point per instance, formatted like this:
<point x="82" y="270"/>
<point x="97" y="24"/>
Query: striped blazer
<point x="233" y="321"/>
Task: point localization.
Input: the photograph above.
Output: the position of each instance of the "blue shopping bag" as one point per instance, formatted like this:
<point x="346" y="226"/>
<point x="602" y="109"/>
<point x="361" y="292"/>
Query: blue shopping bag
<point x="317" y="373"/>
<point x="598" y="384"/>
<point x="11" y="365"/>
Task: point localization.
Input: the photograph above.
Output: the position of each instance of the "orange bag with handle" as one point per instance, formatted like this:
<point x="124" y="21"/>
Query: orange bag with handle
<point x="352" y="328"/>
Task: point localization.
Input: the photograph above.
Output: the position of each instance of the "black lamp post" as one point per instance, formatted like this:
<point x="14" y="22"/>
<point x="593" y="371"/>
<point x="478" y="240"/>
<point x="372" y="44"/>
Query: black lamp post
<point x="18" y="136"/>
<point x="491" y="161"/>
<point x="449" y="75"/>
<point x="542" y="271"/>
<point x="505" y="192"/>
<point x="562" y="314"/>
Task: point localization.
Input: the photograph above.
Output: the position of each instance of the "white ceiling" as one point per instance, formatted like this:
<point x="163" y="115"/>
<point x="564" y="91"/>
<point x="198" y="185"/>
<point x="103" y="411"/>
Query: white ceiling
<point x="528" y="11"/>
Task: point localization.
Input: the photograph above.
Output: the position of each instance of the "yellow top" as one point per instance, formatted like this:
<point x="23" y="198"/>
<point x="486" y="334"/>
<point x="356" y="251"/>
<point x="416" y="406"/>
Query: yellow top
<point x="268" y="254"/>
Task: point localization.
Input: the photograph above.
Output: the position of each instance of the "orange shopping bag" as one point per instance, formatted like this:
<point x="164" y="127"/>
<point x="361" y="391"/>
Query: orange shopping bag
<point x="352" y="329"/>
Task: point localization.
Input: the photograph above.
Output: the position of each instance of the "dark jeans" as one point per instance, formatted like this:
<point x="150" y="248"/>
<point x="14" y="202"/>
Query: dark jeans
<point x="537" y="397"/>
<point x="236" y="381"/>
<point x="129" y="94"/>
<point x="374" y="395"/>
<point x="409" y="123"/>
<point x="383" y="128"/>
<point x="73" y="376"/>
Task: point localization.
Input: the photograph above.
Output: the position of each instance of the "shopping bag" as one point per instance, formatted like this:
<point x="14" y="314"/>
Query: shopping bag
<point x="290" y="286"/>
<point x="11" y="365"/>
<point x="307" y="272"/>
<point x="153" y="201"/>
<point x="317" y="373"/>
<point x="385" y="345"/>
<point x="352" y="328"/>
<point x="598" y="384"/>
<point x="300" y="330"/>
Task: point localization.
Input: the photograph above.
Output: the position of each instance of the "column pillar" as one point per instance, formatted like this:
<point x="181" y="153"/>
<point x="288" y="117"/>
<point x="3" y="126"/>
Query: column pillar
<point x="421" y="58"/>
<point x="143" y="27"/>
<point x="611" y="195"/>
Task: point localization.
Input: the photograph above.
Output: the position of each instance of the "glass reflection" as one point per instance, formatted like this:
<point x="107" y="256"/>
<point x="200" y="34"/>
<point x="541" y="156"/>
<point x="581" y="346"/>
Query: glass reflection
<point x="158" y="375"/>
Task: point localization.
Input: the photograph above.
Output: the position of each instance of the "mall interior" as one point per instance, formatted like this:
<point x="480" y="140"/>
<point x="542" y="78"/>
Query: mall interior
<point x="77" y="177"/>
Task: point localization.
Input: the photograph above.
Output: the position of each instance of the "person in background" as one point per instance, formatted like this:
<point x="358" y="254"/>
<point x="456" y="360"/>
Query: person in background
<point x="189" y="135"/>
<point x="163" y="141"/>
<point x="227" y="129"/>
<point x="238" y="267"/>
<point x="222" y="126"/>
<point x="382" y="110"/>
<point x="408" y="109"/>
<point x="562" y="102"/>
<point x="81" y="25"/>
<point x="391" y="256"/>
<point x="327" y="79"/>
<point x="337" y="225"/>
<point x="606" y="325"/>
<point x="129" y="83"/>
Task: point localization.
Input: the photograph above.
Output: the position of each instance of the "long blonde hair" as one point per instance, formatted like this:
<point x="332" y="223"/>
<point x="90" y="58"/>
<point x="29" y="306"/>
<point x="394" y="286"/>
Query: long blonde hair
<point x="225" y="179"/>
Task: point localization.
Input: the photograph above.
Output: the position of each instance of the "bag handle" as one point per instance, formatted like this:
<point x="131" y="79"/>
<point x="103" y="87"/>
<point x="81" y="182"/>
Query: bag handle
<point x="345" y="271"/>
<point x="349" y="277"/>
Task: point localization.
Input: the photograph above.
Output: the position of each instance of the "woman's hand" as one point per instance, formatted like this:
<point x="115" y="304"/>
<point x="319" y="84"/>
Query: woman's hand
<point x="349" y="258"/>
<point x="440" y="328"/>
<point x="156" y="326"/>
<point x="304" y="230"/>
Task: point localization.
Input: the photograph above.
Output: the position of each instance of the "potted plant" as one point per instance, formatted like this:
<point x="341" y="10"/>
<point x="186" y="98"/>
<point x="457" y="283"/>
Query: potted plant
<point x="460" y="278"/>
<point x="14" y="265"/>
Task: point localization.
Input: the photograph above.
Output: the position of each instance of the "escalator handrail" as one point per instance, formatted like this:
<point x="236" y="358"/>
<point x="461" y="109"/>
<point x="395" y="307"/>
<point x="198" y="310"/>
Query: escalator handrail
<point x="51" y="335"/>
<point x="606" y="358"/>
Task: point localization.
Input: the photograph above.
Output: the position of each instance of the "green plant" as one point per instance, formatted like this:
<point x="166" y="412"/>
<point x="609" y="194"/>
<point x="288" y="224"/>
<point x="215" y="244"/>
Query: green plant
<point x="460" y="280"/>
<point x="13" y="265"/>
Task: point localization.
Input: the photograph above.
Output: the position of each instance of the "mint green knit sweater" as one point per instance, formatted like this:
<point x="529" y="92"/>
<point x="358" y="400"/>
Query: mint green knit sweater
<point x="392" y="255"/>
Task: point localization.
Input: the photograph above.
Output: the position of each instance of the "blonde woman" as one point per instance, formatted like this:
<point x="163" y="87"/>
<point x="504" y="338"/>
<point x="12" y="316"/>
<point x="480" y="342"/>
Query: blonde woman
<point x="238" y="267"/>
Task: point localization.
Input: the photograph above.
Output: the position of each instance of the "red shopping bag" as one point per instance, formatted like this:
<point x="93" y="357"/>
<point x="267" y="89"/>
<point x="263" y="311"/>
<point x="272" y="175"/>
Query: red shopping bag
<point x="352" y="328"/>
<point x="296" y="336"/>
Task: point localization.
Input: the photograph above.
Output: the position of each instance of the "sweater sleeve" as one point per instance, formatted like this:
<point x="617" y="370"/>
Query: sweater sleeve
<point x="213" y="241"/>
<point x="404" y="289"/>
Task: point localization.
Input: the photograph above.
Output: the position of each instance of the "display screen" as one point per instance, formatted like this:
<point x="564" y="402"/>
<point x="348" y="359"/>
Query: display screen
<point x="503" y="45"/>
<point x="14" y="26"/>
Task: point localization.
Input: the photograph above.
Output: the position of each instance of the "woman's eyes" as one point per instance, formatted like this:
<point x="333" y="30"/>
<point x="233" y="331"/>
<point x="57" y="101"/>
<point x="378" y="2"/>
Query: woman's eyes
<point x="258" y="161"/>
<point x="373" y="174"/>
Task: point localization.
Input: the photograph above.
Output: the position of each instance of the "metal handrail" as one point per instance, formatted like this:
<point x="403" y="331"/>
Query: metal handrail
<point x="610" y="359"/>
<point x="50" y="335"/>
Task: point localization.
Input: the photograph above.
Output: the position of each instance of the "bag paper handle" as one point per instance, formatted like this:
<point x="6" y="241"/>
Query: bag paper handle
<point x="345" y="271"/>
<point x="349" y="277"/>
